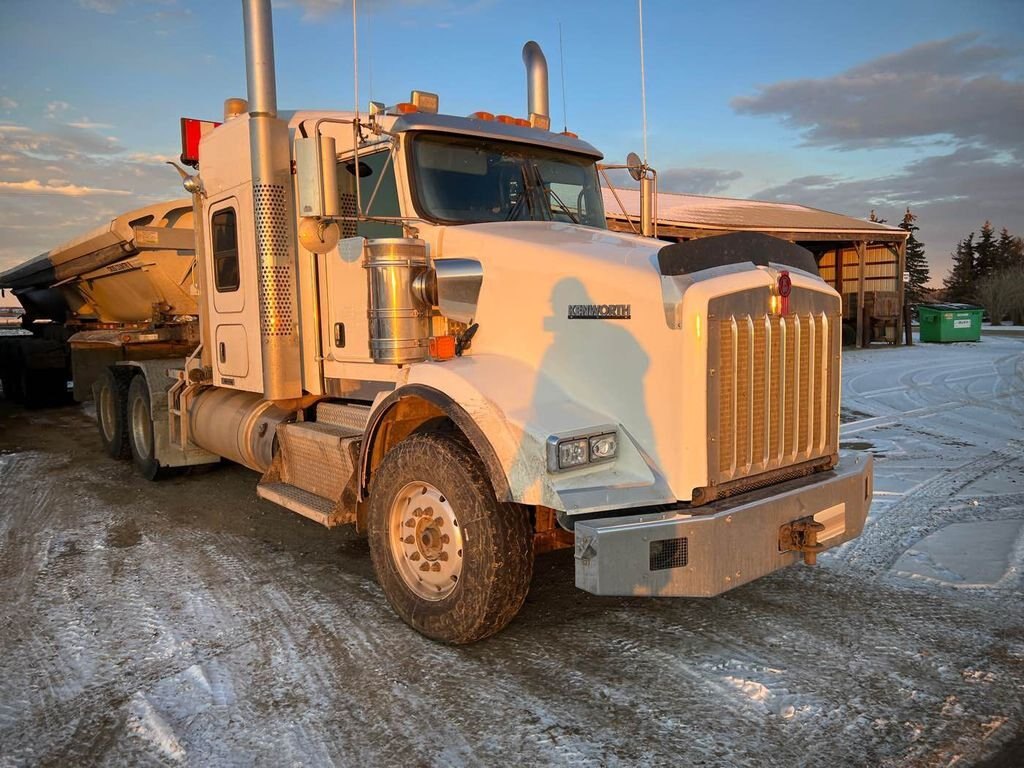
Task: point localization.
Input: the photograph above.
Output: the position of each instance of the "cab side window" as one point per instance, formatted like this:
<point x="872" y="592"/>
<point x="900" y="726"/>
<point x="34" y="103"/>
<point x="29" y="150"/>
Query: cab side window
<point x="376" y="172"/>
<point x="225" y="250"/>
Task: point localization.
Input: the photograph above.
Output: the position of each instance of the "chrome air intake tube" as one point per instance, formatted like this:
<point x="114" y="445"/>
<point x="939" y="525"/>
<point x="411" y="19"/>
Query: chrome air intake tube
<point x="398" y="273"/>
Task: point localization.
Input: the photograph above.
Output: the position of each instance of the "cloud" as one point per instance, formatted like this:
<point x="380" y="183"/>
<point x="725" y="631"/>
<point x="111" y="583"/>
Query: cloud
<point x="317" y="9"/>
<point x="55" y="187"/>
<point x="696" y="181"/>
<point x="100" y="6"/>
<point x="942" y="90"/>
<point x="6" y="102"/>
<point x="687" y="181"/>
<point x="86" y="124"/>
<point x="60" y="182"/>
<point x="55" y="108"/>
<point x="952" y="193"/>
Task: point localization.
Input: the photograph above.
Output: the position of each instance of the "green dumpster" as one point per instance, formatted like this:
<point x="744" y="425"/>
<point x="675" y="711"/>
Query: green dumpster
<point x="950" y="322"/>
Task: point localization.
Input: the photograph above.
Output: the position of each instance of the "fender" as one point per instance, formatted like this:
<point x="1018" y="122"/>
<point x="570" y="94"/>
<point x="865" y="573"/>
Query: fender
<point x="509" y="428"/>
<point x="451" y="409"/>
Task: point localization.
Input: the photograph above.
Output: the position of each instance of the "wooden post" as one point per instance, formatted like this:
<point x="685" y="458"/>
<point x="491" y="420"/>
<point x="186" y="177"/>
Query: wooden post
<point x="861" y="267"/>
<point x="901" y="264"/>
<point x="839" y="270"/>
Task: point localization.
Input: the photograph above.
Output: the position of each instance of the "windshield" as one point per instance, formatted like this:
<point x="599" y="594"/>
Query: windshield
<point x="470" y="180"/>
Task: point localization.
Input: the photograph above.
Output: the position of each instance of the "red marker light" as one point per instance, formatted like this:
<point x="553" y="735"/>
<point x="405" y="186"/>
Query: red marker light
<point x="785" y="286"/>
<point x="192" y="131"/>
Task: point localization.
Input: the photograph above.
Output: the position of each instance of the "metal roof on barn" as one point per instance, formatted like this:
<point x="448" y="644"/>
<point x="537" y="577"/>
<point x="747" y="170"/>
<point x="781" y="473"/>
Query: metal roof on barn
<point x="725" y="214"/>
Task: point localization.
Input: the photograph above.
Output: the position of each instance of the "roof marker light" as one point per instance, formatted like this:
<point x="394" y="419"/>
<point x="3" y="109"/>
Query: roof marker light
<point x="482" y="116"/>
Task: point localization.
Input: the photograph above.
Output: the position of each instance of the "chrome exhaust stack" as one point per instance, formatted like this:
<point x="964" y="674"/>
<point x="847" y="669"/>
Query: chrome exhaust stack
<point x="275" y="241"/>
<point x="536" y="80"/>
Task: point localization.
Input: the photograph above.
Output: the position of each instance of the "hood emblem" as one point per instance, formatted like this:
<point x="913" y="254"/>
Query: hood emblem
<point x="599" y="311"/>
<point x="785" y="286"/>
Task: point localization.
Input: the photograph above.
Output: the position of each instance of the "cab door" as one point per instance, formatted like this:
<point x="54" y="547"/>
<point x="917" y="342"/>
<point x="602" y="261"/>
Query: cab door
<point x="233" y="298"/>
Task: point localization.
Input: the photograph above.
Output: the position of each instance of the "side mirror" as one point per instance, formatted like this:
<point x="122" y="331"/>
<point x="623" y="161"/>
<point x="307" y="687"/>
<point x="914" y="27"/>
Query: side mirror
<point x="635" y="166"/>
<point x="316" y="176"/>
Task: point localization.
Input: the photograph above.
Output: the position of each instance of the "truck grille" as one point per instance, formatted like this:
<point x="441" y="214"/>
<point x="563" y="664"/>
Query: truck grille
<point x="773" y="389"/>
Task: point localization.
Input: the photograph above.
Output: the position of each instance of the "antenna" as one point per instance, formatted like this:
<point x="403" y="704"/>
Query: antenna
<point x="369" y="59"/>
<point x="561" y="67"/>
<point x="643" y="75"/>
<point x="355" y="62"/>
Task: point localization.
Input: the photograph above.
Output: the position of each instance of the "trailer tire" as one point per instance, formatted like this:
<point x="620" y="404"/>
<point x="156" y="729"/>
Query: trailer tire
<point x="460" y="573"/>
<point x="140" y="431"/>
<point x="112" y="411"/>
<point x="14" y="375"/>
<point x="44" y="387"/>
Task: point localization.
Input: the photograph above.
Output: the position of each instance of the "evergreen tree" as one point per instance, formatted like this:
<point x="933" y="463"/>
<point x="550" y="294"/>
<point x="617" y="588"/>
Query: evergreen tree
<point x="958" y="283"/>
<point x="985" y="255"/>
<point x="1009" y="251"/>
<point x="916" y="262"/>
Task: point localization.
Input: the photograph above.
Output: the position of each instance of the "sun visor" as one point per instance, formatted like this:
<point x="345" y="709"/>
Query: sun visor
<point x="733" y="248"/>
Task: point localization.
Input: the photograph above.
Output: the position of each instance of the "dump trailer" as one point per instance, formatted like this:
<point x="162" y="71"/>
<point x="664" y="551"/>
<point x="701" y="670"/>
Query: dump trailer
<point x="125" y="289"/>
<point x="418" y="324"/>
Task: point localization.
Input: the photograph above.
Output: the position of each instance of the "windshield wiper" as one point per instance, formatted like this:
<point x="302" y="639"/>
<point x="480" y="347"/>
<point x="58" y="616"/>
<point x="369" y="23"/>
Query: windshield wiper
<point x="517" y="207"/>
<point x="563" y="206"/>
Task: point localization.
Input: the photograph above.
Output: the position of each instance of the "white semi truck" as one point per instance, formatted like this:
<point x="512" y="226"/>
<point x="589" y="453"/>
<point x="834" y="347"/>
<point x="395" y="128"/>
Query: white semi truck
<point x="419" y="324"/>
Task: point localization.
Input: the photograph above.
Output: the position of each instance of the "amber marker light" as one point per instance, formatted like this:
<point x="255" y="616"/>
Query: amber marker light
<point x="482" y="115"/>
<point x="405" y="108"/>
<point x="442" y="347"/>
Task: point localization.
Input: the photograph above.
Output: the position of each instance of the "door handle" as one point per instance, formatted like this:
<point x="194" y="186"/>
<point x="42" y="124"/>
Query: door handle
<point x="223" y="353"/>
<point x="339" y="334"/>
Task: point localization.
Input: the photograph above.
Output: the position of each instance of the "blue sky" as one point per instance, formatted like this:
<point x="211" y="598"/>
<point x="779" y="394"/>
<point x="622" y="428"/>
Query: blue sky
<point x="844" y="106"/>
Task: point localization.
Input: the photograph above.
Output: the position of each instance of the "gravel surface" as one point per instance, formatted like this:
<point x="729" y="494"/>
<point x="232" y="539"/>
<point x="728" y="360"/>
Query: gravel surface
<point x="187" y="622"/>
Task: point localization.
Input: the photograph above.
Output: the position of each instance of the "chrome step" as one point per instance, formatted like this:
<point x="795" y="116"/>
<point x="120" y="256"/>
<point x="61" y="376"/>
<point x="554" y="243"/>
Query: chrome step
<point x="323" y="511"/>
<point x="345" y="415"/>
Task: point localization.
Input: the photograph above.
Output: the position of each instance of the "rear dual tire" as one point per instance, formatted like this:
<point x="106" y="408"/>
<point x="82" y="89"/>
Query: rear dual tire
<point x="111" y="396"/>
<point x="141" y="438"/>
<point x="124" y="415"/>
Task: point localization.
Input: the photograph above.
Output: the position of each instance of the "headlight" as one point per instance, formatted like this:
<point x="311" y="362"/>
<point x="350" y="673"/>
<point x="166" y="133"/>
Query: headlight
<point x="581" y="448"/>
<point x="572" y="453"/>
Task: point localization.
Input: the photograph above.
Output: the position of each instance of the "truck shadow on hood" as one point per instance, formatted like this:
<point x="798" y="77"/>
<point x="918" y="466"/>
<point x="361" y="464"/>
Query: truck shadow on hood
<point x="595" y="365"/>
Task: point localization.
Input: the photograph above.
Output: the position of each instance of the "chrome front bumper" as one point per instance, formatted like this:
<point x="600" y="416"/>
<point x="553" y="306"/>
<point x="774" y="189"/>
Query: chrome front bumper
<point x="672" y="554"/>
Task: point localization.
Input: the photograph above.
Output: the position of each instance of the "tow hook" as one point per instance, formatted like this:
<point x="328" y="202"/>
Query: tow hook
<point x="802" y="536"/>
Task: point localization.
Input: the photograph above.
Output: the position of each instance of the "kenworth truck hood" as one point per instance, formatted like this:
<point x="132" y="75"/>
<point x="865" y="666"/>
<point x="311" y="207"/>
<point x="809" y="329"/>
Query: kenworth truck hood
<point x="579" y="330"/>
<point x="579" y="373"/>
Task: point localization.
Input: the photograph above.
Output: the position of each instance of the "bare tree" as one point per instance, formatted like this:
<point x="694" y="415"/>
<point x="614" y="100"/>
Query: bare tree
<point x="1002" y="294"/>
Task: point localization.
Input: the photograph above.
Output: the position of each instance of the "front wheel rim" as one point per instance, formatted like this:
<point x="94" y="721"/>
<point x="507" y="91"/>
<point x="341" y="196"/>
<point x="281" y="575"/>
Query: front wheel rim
<point x="425" y="540"/>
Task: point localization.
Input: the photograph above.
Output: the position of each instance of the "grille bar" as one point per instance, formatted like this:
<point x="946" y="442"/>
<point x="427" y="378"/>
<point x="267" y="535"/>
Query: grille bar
<point x="774" y="391"/>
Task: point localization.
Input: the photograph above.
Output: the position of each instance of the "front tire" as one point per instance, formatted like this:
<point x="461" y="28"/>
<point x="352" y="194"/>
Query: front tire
<point x="454" y="562"/>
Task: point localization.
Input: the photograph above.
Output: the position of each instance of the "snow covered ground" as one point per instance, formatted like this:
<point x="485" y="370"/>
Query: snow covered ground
<point x="187" y="622"/>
